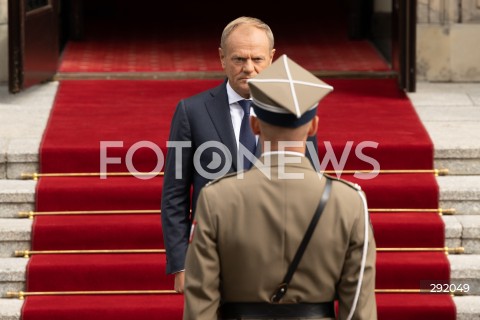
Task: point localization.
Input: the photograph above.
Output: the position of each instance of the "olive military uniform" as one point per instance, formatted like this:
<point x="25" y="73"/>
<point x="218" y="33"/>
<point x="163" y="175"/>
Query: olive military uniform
<point x="246" y="234"/>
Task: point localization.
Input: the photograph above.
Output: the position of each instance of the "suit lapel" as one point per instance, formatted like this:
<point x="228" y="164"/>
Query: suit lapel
<point x="219" y="111"/>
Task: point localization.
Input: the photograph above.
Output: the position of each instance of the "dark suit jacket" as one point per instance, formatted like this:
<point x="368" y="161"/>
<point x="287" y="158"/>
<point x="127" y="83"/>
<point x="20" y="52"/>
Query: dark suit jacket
<point x="203" y="118"/>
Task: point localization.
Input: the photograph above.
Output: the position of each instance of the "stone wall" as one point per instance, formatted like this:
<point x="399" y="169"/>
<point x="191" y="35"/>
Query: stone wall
<point x="447" y="40"/>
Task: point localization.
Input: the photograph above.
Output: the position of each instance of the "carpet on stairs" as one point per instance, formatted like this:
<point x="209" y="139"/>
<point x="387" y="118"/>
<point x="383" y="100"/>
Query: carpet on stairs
<point x="86" y="113"/>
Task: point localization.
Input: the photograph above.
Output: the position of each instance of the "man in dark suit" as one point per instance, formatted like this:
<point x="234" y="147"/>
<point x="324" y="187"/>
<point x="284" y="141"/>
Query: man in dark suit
<point x="206" y="133"/>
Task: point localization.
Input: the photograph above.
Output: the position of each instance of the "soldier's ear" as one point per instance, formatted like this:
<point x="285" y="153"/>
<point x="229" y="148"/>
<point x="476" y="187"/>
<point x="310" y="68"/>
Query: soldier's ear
<point x="255" y="125"/>
<point x="313" y="127"/>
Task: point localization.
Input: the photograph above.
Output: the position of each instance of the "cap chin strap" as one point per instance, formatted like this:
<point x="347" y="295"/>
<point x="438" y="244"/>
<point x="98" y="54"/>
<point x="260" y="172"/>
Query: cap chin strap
<point x="364" y="258"/>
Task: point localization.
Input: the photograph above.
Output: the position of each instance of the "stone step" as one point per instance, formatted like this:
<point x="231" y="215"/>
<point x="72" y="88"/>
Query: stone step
<point x="454" y="153"/>
<point x="470" y="233"/>
<point x="22" y="157"/>
<point x="461" y="193"/>
<point x="10" y="309"/>
<point x="465" y="269"/>
<point x="15" y="234"/>
<point x="450" y="113"/>
<point x="463" y="231"/>
<point x="23" y="120"/>
<point x="15" y="196"/>
<point x="12" y="274"/>
<point x="460" y="231"/>
<point x="468" y="308"/>
<point x="3" y="158"/>
<point x="460" y="166"/>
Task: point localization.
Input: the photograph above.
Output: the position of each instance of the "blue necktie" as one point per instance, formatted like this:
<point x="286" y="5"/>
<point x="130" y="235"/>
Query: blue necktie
<point x="247" y="138"/>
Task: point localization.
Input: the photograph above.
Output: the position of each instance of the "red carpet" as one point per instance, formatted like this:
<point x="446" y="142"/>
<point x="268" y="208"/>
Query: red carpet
<point x="104" y="51"/>
<point x="104" y="307"/>
<point x="415" y="306"/>
<point x="318" y="41"/>
<point x="87" y="272"/>
<point x="120" y="37"/>
<point x="87" y="112"/>
<point x="374" y="110"/>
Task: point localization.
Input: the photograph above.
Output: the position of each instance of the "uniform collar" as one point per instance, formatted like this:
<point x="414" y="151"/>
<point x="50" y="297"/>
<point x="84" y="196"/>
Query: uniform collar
<point x="288" y="153"/>
<point x="285" y="158"/>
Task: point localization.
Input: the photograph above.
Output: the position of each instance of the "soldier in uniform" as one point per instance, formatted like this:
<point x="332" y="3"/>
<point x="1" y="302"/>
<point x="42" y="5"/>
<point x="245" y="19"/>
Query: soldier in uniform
<point x="281" y="241"/>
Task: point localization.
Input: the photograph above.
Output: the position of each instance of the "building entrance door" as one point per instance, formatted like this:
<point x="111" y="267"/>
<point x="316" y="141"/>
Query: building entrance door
<point x="33" y="42"/>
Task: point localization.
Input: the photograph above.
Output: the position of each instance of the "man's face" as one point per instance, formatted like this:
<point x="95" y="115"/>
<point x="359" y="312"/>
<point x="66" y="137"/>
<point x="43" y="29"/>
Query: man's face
<point x="246" y="54"/>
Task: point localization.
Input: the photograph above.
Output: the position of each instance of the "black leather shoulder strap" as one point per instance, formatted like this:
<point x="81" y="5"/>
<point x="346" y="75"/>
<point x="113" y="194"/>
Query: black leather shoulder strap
<point x="282" y="288"/>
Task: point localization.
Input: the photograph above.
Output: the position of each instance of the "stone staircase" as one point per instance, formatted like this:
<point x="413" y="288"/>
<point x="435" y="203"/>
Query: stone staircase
<point x="450" y="112"/>
<point x="23" y="118"/>
<point x="451" y="115"/>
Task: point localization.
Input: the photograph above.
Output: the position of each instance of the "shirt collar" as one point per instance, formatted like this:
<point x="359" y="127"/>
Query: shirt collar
<point x="233" y="96"/>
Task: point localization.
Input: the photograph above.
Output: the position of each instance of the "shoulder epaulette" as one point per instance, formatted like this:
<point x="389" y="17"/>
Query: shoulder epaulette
<point x="345" y="182"/>
<point x="221" y="178"/>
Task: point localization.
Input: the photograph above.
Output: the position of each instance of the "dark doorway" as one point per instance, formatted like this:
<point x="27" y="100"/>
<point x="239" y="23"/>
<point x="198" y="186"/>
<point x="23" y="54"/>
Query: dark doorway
<point x="156" y="39"/>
